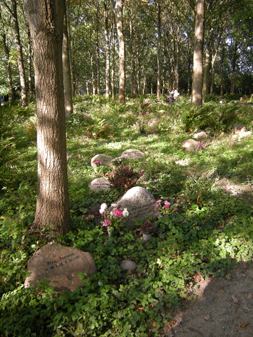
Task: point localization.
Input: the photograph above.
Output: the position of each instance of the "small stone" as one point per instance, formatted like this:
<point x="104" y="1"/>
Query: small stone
<point x="60" y="265"/>
<point x="190" y="145"/>
<point x="128" y="265"/>
<point x="201" y="135"/>
<point x="100" y="184"/>
<point x="102" y="158"/>
<point x="133" y="154"/>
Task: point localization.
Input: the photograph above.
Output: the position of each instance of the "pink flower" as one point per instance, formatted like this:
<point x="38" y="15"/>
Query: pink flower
<point x="156" y="206"/>
<point x="118" y="212"/>
<point x="179" y="204"/>
<point x="166" y="206"/>
<point x="159" y="201"/>
<point x="107" y="223"/>
<point x="175" y="209"/>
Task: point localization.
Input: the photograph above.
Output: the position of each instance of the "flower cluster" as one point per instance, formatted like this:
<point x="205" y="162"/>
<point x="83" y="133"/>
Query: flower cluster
<point x="147" y="227"/>
<point x="124" y="177"/>
<point x="112" y="219"/>
<point x="201" y="145"/>
<point x="166" y="209"/>
<point x="119" y="159"/>
<point x="97" y="162"/>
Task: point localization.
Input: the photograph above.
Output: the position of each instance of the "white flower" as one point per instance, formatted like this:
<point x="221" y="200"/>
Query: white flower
<point x="102" y="208"/>
<point x="125" y="212"/>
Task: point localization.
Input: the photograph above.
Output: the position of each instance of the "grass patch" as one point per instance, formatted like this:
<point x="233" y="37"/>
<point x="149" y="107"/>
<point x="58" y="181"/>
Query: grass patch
<point x="208" y="232"/>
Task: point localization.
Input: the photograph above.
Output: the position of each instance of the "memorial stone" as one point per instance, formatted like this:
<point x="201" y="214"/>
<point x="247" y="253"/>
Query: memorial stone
<point x="133" y="154"/>
<point x="140" y="204"/>
<point x="60" y="265"/>
<point x="201" y="135"/>
<point x="128" y="265"/>
<point x="102" y="158"/>
<point x="100" y="184"/>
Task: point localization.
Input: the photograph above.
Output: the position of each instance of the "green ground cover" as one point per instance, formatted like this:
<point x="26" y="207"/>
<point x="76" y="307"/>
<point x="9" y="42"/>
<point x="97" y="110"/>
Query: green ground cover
<point x="208" y="233"/>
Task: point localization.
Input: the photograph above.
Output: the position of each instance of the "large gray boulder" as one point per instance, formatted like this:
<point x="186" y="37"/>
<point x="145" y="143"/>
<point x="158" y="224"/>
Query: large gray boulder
<point x="133" y="154"/>
<point x="60" y="265"/>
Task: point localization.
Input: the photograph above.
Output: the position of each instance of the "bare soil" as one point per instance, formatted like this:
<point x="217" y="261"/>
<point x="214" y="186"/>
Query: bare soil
<point x="224" y="307"/>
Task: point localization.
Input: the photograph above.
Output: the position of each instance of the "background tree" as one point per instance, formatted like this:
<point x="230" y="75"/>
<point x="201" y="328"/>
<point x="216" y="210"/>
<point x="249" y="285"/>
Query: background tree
<point x="45" y="19"/>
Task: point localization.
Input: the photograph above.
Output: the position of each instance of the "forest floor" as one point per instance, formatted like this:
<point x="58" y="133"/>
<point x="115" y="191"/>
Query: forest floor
<point x="224" y="307"/>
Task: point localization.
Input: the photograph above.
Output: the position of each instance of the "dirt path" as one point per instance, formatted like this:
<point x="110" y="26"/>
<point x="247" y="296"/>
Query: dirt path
<point x="224" y="307"/>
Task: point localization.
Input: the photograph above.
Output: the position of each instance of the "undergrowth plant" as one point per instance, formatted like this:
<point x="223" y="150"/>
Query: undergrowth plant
<point x="203" y="227"/>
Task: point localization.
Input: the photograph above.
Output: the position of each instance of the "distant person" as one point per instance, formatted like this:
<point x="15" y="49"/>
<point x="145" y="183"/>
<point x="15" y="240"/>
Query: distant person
<point x="176" y="94"/>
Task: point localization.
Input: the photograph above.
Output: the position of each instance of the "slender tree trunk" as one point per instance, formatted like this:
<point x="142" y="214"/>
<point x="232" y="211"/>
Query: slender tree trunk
<point x="21" y="67"/>
<point x="97" y="51"/>
<point x="121" y="52"/>
<point x="176" y="84"/>
<point x="144" y="86"/>
<point x="86" y="80"/>
<point x="45" y="19"/>
<point x="8" y="67"/>
<point x="29" y="66"/>
<point x="206" y="69"/>
<point x="232" y="89"/>
<point x="113" y="61"/>
<point x="107" y="54"/>
<point x="189" y="71"/>
<point x="66" y="70"/>
<point x="92" y="75"/>
<point x="198" y="53"/>
<point x="158" y="52"/>
<point x="221" y="71"/>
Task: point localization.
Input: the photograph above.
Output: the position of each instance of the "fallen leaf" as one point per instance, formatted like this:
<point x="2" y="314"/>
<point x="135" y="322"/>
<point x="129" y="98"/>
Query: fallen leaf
<point x="235" y="299"/>
<point x="137" y="307"/>
<point x="221" y="291"/>
<point x="243" y="275"/>
<point x="228" y="277"/>
<point x="250" y="296"/>
<point x="183" y="174"/>
<point x="243" y="325"/>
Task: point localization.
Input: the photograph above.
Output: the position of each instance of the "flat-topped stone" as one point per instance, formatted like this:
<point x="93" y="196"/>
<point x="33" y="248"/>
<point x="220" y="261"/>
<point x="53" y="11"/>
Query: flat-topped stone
<point x="100" y="184"/>
<point x="140" y="204"/>
<point x="133" y="154"/>
<point x="103" y="159"/>
<point x="60" y="265"/>
<point x="128" y="265"/>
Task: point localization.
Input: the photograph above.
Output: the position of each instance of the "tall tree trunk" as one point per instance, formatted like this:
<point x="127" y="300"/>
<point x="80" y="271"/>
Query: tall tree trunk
<point x="29" y="66"/>
<point x="45" y="19"/>
<point x="158" y="52"/>
<point x="86" y="80"/>
<point x="97" y="51"/>
<point x="198" y="53"/>
<point x="132" y="59"/>
<point x="8" y="67"/>
<point x="121" y="52"/>
<point x="139" y="76"/>
<point x="221" y="71"/>
<point x="107" y="54"/>
<point x="21" y="67"/>
<point x="176" y="72"/>
<point x="92" y="75"/>
<point x="206" y="69"/>
<point x="113" y="61"/>
<point x="232" y="89"/>
<point x="66" y="70"/>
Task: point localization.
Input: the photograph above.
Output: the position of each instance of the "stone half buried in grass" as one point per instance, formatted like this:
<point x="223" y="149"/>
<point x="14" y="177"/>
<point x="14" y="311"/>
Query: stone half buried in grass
<point x="193" y="145"/>
<point x="103" y="159"/>
<point x="140" y="204"/>
<point x="133" y="154"/>
<point x="60" y="265"/>
<point x="201" y="135"/>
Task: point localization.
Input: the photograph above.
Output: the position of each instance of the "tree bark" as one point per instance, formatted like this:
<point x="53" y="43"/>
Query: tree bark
<point x="221" y="71"/>
<point x="93" y="75"/>
<point x="158" y="93"/>
<point x="8" y="67"/>
<point x="198" y="53"/>
<point x="21" y="67"/>
<point x="206" y="68"/>
<point x="132" y="59"/>
<point x="107" y="54"/>
<point x="121" y="52"/>
<point x="232" y="89"/>
<point x="45" y="19"/>
<point x="66" y="70"/>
